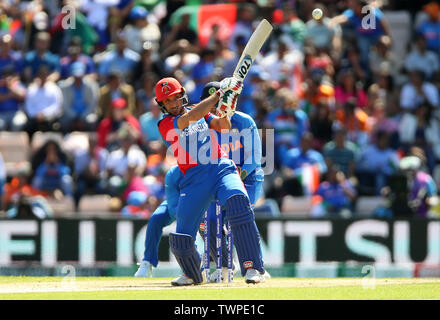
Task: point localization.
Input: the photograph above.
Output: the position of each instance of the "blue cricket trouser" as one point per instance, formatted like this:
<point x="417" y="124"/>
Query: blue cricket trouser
<point x="159" y="220"/>
<point x="200" y="186"/>
<point x="254" y="189"/>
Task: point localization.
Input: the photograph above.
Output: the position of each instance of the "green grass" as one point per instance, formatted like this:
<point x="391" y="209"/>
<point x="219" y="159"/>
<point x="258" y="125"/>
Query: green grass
<point x="273" y="289"/>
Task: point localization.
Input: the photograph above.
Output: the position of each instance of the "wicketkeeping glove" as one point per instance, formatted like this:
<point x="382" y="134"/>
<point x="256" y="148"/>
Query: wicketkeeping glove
<point x="227" y="104"/>
<point x="230" y="84"/>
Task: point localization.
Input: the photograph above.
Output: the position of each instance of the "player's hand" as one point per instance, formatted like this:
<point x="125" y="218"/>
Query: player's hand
<point x="227" y="104"/>
<point x="230" y="84"/>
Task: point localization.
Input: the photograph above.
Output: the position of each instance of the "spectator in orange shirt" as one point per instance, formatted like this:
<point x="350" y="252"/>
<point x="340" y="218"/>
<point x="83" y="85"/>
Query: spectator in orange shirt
<point x="355" y="121"/>
<point x="19" y="191"/>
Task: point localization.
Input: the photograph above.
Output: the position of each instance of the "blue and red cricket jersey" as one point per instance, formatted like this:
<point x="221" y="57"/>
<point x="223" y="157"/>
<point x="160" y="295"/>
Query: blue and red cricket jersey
<point x="194" y="145"/>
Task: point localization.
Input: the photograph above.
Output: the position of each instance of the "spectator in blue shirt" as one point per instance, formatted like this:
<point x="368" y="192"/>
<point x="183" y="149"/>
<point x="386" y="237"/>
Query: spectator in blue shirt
<point x="120" y="58"/>
<point x="288" y="121"/>
<point x="53" y="174"/>
<point x="75" y="55"/>
<point x="376" y="163"/>
<point x="148" y="122"/>
<point x="12" y="94"/>
<point x="336" y="196"/>
<point x="41" y="56"/>
<point x="80" y="99"/>
<point x="430" y="29"/>
<point x="368" y="24"/>
<point x="296" y="165"/>
<point x="202" y="73"/>
<point x="9" y="58"/>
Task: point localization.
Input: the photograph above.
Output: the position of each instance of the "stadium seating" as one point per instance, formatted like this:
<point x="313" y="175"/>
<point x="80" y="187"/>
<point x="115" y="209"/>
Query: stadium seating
<point x="14" y="147"/>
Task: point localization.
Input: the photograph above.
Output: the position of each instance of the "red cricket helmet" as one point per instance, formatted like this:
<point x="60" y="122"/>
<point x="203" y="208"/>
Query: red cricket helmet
<point x="166" y="88"/>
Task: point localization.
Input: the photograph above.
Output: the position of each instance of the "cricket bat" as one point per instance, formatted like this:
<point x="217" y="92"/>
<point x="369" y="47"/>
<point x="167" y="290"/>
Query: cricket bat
<point x="252" y="48"/>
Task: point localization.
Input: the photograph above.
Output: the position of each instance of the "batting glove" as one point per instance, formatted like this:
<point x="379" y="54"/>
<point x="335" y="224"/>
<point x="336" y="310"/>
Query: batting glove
<point x="230" y="84"/>
<point x="227" y="104"/>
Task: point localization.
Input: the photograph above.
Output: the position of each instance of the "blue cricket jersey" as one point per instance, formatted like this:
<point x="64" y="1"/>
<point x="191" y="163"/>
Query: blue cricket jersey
<point x="242" y="144"/>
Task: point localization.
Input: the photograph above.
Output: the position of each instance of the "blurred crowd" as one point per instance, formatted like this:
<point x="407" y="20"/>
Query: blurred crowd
<point x="349" y="117"/>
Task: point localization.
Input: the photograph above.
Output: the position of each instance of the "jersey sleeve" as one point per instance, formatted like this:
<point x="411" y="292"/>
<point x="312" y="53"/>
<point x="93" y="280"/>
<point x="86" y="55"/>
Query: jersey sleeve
<point x="165" y="125"/>
<point x="208" y="118"/>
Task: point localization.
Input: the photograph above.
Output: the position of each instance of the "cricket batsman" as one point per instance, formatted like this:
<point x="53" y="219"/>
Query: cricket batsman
<point x="207" y="175"/>
<point x="246" y="141"/>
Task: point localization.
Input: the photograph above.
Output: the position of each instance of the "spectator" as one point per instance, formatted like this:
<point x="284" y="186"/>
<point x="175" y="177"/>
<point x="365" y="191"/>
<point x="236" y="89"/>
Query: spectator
<point x="80" y="98"/>
<point x="230" y="64"/>
<point x="115" y="88"/>
<point x="422" y="188"/>
<point x="321" y="123"/>
<point x="243" y="26"/>
<point x="97" y="14"/>
<point x="41" y="56"/>
<point x="348" y="89"/>
<point x="53" y="174"/>
<point x="300" y="163"/>
<point x="322" y="35"/>
<point x="280" y="64"/>
<point x="119" y="58"/>
<point x="150" y="64"/>
<point x="148" y="122"/>
<point x="288" y="121"/>
<point x="336" y="196"/>
<point x="119" y="161"/>
<point x="22" y="200"/>
<point x="375" y="164"/>
<point x="430" y="29"/>
<point x="202" y="73"/>
<point x="382" y="59"/>
<point x="141" y="30"/>
<point x="43" y="103"/>
<point x="365" y="35"/>
<point x="75" y="55"/>
<point x="355" y="121"/>
<point x="421" y="129"/>
<point x="315" y="91"/>
<point x="418" y="91"/>
<point x="8" y="57"/>
<point x="180" y="55"/>
<point x="145" y="94"/>
<point x="181" y="31"/>
<point x="120" y="118"/>
<point x="137" y="206"/>
<point x="420" y="59"/>
<point x="12" y="94"/>
<point x="341" y="152"/>
<point x="134" y="182"/>
<point x="89" y="170"/>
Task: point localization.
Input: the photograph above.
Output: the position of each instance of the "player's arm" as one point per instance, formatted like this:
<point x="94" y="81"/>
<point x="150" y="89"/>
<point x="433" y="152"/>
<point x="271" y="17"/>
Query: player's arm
<point x="230" y="88"/>
<point x="219" y="124"/>
<point x="198" y="112"/>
